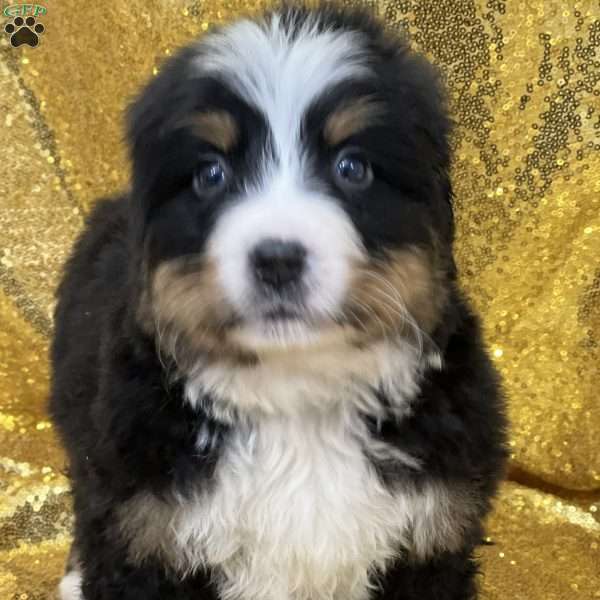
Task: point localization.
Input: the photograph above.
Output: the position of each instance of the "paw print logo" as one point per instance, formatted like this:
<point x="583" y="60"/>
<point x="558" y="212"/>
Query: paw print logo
<point x="24" y="31"/>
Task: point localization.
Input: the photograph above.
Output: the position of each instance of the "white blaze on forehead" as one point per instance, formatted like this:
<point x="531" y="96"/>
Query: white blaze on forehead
<point x="282" y="69"/>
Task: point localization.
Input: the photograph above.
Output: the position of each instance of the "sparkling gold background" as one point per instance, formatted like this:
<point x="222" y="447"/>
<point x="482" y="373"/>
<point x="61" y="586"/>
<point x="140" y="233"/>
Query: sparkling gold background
<point x="524" y="78"/>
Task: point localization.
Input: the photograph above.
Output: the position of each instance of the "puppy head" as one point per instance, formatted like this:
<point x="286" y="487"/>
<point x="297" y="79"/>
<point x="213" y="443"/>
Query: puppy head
<point x="291" y="189"/>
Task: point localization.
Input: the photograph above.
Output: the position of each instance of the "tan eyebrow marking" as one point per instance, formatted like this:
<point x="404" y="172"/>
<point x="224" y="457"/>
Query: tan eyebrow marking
<point x="217" y="127"/>
<point x="350" y="118"/>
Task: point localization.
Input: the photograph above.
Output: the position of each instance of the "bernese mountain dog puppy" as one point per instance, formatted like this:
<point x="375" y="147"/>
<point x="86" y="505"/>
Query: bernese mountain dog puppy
<point x="267" y="381"/>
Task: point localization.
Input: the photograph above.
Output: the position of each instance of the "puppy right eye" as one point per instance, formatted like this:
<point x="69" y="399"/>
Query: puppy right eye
<point x="352" y="171"/>
<point x="210" y="176"/>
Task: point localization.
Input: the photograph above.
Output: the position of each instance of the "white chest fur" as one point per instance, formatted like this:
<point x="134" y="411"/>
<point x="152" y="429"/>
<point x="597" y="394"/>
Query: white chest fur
<point x="297" y="514"/>
<point x="296" y="510"/>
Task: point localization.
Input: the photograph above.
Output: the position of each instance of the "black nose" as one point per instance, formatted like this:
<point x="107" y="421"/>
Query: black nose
<point x="277" y="263"/>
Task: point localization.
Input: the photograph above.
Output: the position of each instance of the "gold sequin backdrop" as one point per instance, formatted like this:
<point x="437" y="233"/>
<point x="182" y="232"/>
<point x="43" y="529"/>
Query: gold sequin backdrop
<point x="524" y="78"/>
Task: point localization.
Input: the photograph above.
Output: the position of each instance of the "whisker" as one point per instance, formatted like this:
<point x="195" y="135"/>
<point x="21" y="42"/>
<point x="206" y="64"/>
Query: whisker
<point x="368" y="310"/>
<point x="360" y="322"/>
<point x="419" y="330"/>
<point x="405" y="314"/>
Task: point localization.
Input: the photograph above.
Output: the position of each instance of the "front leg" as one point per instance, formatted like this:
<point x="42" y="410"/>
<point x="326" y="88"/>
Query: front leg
<point x="448" y="576"/>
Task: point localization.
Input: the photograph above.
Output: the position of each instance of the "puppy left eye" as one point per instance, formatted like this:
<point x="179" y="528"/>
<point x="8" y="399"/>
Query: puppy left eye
<point x="352" y="170"/>
<point x="210" y="176"/>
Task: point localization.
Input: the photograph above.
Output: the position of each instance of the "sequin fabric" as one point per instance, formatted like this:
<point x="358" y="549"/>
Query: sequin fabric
<point x="524" y="81"/>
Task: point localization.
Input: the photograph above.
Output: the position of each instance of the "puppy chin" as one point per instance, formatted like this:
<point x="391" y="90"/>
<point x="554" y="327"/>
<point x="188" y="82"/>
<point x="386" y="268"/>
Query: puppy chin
<point x="273" y="336"/>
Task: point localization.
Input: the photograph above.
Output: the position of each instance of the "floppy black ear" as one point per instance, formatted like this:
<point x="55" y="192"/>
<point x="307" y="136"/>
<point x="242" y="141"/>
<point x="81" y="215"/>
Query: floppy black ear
<point x="435" y="124"/>
<point x="419" y="87"/>
<point x="427" y="86"/>
<point x="149" y="119"/>
<point x="152" y="117"/>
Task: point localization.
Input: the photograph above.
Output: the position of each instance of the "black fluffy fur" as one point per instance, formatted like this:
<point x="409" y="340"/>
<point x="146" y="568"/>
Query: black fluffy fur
<point x="123" y="421"/>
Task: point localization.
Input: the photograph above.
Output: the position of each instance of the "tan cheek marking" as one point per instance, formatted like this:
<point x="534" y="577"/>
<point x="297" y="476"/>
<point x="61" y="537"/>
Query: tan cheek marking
<point x="385" y="293"/>
<point x="218" y="128"/>
<point x="184" y="291"/>
<point x="190" y="314"/>
<point x="351" y="118"/>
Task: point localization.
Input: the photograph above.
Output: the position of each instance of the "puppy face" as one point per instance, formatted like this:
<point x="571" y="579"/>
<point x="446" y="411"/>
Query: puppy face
<point x="291" y="190"/>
